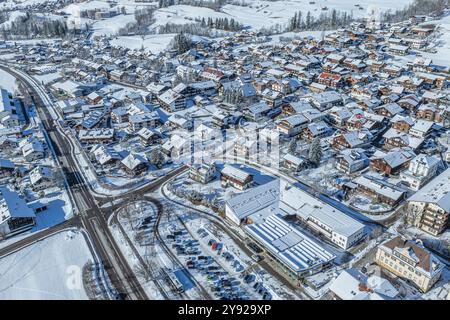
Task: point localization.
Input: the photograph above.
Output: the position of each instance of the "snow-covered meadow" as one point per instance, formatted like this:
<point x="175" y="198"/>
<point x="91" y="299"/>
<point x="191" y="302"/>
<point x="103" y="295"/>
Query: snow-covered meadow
<point x="442" y="47"/>
<point x="255" y="14"/>
<point x="48" y="269"/>
<point x="7" y="81"/>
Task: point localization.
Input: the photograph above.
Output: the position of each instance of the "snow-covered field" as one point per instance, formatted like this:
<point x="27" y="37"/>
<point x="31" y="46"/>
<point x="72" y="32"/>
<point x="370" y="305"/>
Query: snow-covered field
<point x="153" y="43"/>
<point x="7" y="81"/>
<point x="442" y="56"/>
<point x="112" y="25"/>
<point x="48" y="269"/>
<point x="268" y="13"/>
<point x="257" y="15"/>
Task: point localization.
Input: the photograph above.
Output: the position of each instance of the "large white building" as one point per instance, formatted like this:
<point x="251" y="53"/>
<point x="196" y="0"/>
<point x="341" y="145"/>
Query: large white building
<point x="284" y="199"/>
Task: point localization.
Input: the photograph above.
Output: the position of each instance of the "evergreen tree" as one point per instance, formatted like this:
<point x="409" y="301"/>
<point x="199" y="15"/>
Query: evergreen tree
<point x="156" y="158"/>
<point x="333" y="19"/>
<point x="292" y="147"/>
<point x="315" y="152"/>
<point x="182" y="43"/>
<point x="299" y="21"/>
<point x="308" y="20"/>
<point x="293" y="25"/>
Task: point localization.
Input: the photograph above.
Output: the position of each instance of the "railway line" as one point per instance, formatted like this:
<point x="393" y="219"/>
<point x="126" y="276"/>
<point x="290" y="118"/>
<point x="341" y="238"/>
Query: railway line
<point x="90" y="216"/>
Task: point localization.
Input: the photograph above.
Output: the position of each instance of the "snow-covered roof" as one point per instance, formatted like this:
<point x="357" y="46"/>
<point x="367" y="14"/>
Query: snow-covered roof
<point x="351" y="284"/>
<point x="255" y="199"/>
<point x="176" y="142"/>
<point x="101" y="133"/>
<point x="380" y="187"/>
<point x="422" y="125"/>
<point x="294" y="159"/>
<point x="394" y="158"/>
<point x="424" y="261"/>
<point x="169" y="96"/>
<point x="409" y="140"/>
<point x="12" y="205"/>
<point x="133" y="160"/>
<point x="290" y="199"/>
<point x="293" y="200"/>
<point x="31" y="147"/>
<point x="147" y="133"/>
<point x="104" y="154"/>
<point x="326" y="97"/>
<point x="294" y="120"/>
<point x="5" y="102"/>
<point x="68" y="86"/>
<point x="259" y="107"/>
<point x="143" y="117"/>
<point x="235" y="173"/>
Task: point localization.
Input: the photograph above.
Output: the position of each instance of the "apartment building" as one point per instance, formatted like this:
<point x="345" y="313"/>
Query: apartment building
<point x="409" y="260"/>
<point x="429" y="208"/>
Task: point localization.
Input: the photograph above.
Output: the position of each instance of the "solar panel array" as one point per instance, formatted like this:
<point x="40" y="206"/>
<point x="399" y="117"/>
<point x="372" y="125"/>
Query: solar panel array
<point x="291" y="246"/>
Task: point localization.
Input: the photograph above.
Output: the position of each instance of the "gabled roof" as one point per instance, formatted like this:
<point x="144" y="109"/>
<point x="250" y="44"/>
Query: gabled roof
<point x="133" y="160"/>
<point x="235" y="173"/>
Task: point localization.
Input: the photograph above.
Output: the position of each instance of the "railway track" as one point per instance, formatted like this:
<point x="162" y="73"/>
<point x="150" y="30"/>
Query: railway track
<point x="167" y="250"/>
<point x="148" y="267"/>
<point x="92" y="219"/>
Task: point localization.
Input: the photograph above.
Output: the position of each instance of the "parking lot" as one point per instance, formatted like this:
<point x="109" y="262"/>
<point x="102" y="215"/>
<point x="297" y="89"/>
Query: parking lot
<point x="220" y="272"/>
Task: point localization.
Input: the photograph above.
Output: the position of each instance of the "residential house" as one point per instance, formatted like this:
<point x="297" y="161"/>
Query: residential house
<point x="422" y="128"/>
<point x="134" y="164"/>
<point x="379" y="190"/>
<point x="41" y="178"/>
<point x="292" y="126"/>
<point x="235" y="177"/>
<point x="351" y="284"/>
<point x="421" y="170"/>
<point x="203" y="172"/>
<point x="148" y="136"/>
<point x="33" y="150"/>
<point x="392" y="162"/>
<point x="294" y="163"/>
<point x="352" y="160"/>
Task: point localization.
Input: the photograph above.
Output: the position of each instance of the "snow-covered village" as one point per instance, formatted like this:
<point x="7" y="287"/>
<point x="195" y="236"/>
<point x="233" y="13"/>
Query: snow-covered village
<point x="224" y="150"/>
